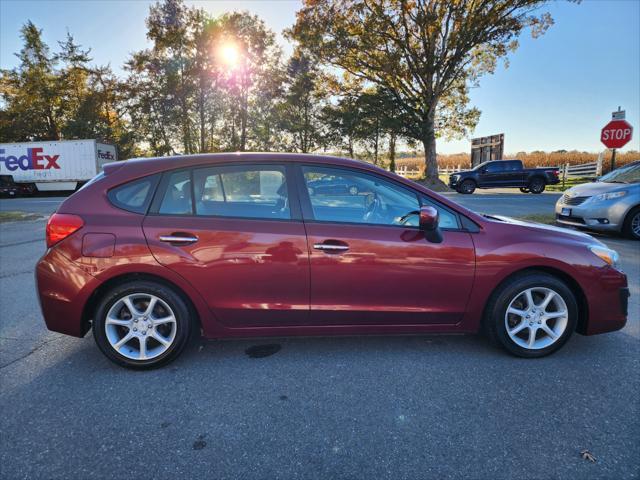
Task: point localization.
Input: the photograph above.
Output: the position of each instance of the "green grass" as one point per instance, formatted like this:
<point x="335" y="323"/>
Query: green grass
<point x="14" y="216"/>
<point x="547" y="218"/>
<point x="570" y="182"/>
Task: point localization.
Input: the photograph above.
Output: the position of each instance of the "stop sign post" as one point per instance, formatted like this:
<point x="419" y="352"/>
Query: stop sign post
<point x="616" y="134"/>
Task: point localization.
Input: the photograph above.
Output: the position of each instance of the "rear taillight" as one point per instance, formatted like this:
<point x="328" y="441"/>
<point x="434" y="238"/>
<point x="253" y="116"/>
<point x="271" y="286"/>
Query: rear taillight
<point x="60" y="226"/>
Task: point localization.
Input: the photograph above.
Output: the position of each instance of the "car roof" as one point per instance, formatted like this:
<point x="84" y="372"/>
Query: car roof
<point x="158" y="164"/>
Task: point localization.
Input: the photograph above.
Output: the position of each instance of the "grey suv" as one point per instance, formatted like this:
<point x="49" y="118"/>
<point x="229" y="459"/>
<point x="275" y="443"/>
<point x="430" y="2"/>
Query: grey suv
<point x="610" y="204"/>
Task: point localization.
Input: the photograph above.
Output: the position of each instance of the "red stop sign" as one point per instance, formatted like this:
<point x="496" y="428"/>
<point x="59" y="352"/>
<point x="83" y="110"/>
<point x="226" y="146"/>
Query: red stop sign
<point x="616" y="134"/>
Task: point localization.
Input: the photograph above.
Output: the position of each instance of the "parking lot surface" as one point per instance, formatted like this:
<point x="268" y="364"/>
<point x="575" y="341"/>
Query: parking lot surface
<point x="352" y="407"/>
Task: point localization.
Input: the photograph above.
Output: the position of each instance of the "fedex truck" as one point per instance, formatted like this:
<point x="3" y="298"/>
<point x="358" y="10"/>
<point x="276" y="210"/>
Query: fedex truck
<point x="55" y="165"/>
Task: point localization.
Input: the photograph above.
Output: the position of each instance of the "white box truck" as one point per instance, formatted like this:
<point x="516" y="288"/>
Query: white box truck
<point x="55" y="165"/>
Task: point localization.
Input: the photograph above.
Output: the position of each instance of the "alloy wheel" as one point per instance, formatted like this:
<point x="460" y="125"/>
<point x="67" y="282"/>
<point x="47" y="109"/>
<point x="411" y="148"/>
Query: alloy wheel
<point x="536" y="318"/>
<point x="635" y="225"/>
<point x="140" y="326"/>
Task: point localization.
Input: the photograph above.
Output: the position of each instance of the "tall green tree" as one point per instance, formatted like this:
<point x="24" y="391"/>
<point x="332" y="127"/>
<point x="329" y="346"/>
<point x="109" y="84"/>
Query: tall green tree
<point x="32" y="104"/>
<point x="301" y="108"/>
<point x="425" y="53"/>
<point x="255" y="56"/>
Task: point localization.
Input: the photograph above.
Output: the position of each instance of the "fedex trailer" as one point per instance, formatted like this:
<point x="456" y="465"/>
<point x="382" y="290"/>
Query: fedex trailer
<point x="55" y="165"/>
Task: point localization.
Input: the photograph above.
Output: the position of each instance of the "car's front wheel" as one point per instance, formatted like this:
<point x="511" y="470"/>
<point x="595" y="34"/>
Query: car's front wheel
<point x="631" y="227"/>
<point x="531" y="315"/>
<point x="142" y="324"/>
<point x="467" y="187"/>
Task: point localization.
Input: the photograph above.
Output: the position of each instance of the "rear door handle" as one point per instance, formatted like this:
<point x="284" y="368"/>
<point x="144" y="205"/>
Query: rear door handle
<point x="182" y="239"/>
<point x="331" y="247"/>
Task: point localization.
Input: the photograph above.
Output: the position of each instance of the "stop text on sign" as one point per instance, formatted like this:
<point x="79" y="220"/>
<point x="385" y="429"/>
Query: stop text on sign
<point x="616" y="134"/>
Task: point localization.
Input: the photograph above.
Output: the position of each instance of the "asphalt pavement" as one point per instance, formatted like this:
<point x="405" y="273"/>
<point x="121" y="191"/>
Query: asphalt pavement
<point x="352" y="407"/>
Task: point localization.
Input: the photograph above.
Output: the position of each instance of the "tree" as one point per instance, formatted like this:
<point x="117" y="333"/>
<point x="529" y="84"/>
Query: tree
<point x="251" y="55"/>
<point x="425" y="53"/>
<point x="301" y="109"/>
<point x="33" y="107"/>
<point x="170" y="26"/>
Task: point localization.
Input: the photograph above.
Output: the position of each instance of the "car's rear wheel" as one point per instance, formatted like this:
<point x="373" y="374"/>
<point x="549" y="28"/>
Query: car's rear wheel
<point x="142" y="325"/>
<point x="531" y="315"/>
<point x="467" y="187"/>
<point x="536" y="185"/>
<point x="631" y="227"/>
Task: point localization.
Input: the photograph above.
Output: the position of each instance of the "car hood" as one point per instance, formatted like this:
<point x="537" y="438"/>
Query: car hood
<point x="595" y="188"/>
<point x="543" y="228"/>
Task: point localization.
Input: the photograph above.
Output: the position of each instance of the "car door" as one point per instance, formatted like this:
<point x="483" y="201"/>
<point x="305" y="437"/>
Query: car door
<point x="494" y="174"/>
<point x="370" y="264"/>
<point x="235" y="233"/>
<point x="514" y="174"/>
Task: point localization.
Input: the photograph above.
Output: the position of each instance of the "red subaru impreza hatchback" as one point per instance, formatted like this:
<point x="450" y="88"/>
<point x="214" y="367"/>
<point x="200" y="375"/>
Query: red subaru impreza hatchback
<point x="246" y="245"/>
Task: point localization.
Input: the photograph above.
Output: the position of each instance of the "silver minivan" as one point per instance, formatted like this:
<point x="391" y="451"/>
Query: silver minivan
<point x="610" y="204"/>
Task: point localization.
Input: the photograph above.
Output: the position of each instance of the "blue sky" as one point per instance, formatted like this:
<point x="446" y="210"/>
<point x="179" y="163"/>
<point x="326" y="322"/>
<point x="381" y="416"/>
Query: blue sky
<point x="557" y="93"/>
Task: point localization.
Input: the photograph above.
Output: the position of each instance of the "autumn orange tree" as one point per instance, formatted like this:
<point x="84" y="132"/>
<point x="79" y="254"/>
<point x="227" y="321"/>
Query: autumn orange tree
<point x="425" y="53"/>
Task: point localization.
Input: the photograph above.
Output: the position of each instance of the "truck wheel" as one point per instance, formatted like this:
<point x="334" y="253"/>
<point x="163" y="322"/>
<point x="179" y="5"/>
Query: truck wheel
<point x="467" y="187"/>
<point x="536" y="185"/>
<point x="524" y="189"/>
<point x="631" y="228"/>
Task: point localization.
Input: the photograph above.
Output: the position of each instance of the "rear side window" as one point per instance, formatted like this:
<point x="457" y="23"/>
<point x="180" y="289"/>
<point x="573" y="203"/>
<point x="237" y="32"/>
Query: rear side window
<point x="134" y="196"/>
<point x="514" y="166"/>
<point x="249" y="191"/>
<point x="177" y="197"/>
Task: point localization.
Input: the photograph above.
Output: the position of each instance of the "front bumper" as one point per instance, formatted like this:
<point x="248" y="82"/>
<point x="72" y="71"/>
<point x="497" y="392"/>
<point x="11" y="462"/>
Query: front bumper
<point x="607" y="297"/>
<point x="602" y="216"/>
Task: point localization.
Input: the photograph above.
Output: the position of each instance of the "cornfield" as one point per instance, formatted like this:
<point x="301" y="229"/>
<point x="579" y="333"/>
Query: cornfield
<point x="531" y="160"/>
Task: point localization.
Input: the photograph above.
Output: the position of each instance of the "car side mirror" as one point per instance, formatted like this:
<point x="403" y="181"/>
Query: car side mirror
<point x="430" y="224"/>
<point x="483" y="170"/>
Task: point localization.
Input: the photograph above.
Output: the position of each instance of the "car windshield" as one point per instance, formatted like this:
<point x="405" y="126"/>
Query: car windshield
<point x="626" y="174"/>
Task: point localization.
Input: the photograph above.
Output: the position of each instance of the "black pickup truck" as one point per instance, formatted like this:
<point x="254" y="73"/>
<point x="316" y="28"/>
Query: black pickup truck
<point x="504" y="173"/>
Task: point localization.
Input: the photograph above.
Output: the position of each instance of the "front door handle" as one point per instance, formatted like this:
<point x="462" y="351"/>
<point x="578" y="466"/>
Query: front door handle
<point x="178" y="238"/>
<point x="333" y="247"/>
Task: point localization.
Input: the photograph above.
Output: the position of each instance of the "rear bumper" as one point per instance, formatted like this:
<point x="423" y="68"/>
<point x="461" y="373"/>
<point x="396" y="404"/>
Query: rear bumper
<point x="63" y="290"/>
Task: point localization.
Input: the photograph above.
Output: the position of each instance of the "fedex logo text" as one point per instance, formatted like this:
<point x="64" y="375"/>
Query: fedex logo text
<point x="33" y="160"/>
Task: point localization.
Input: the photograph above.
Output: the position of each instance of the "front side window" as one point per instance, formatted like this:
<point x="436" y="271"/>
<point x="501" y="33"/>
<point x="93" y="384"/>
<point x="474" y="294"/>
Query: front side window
<point x="348" y="196"/>
<point x="248" y="191"/>
<point x="495" y="167"/>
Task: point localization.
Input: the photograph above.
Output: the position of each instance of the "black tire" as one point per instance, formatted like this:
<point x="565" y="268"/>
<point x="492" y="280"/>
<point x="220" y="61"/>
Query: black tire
<point x="524" y="189"/>
<point x="536" y="185"/>
<point x="630" y="221"/>
<point x="495" y="320"/>
<point x="467" y="187"/>
<point x="183" y="323"/>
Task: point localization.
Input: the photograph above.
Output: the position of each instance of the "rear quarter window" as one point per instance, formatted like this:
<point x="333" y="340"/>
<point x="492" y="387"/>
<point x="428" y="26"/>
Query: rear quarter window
<point x="134" y="196"/>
